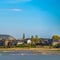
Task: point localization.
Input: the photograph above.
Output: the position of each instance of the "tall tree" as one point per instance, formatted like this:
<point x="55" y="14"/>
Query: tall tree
<point x="32" y="39"/>
<point x="23" y="37"/>
<point x="37" y="39"/>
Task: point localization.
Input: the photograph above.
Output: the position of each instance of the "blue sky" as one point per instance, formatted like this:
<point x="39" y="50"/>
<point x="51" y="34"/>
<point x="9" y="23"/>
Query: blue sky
<point x="32" y="17"/>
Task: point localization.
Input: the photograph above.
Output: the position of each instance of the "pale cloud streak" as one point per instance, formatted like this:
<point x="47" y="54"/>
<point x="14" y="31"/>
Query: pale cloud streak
<point x="14" y="9"/>
<point x="18" y="10"/>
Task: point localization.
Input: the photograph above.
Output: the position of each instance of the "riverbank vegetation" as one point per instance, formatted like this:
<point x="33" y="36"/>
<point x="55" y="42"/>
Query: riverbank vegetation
<point x="32" y="42"/>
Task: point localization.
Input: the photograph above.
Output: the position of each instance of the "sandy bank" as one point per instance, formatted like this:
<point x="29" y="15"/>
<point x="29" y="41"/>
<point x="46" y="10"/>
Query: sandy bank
<point x="43" y="51"/>
<point x="33" y="49"/>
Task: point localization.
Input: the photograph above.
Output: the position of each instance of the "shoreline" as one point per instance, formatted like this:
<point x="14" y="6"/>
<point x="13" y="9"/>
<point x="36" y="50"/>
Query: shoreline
<point x="33" y="49"/>
<point x="41" y="51"/>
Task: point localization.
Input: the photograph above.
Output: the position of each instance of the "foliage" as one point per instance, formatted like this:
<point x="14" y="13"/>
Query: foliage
<point x="35" y="39"/>
<point x="55" y="37"/>
<point x="23" y="36"/>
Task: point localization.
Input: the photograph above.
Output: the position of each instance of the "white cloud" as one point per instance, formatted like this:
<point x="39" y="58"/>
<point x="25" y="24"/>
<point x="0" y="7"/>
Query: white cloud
<point x="14" y="9"/>
<point x="14" y="1"/>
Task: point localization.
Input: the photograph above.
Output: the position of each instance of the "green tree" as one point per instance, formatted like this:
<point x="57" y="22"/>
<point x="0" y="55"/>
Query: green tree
<point x="55" y="37"/>
<point x="35" y="39"/>
<point x="32" y="39"/>
<point x="56" y="44"/>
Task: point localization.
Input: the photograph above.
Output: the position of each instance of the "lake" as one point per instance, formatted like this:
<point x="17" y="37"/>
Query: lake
<point x="26" y="55"/>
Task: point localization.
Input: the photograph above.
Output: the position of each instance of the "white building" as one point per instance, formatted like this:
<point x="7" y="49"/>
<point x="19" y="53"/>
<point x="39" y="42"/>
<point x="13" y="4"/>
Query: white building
<point x="28" y="41"/>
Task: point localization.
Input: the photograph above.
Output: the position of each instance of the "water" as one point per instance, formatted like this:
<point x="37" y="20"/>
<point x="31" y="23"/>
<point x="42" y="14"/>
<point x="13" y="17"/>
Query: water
<point x="26" y="55"/>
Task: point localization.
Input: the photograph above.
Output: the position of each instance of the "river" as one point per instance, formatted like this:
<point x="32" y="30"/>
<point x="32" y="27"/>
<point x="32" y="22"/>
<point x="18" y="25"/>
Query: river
<point x="26" y="55"/>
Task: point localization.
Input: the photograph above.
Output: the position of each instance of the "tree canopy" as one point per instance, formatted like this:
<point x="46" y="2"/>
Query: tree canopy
<point x="55" y="37"/>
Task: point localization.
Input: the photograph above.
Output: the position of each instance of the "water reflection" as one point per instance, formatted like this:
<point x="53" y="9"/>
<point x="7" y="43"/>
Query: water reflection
<point x="26" y="52"/>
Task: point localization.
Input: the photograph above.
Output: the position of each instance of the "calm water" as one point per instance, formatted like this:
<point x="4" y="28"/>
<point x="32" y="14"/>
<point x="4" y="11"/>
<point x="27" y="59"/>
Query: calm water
<point x="26" y="55"/>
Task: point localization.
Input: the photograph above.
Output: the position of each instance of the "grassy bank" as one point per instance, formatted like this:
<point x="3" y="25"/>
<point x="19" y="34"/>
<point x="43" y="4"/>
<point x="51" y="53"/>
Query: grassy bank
<point x="33" y="49"/>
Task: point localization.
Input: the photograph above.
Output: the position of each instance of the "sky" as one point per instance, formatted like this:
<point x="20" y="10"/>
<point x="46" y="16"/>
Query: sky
<point x="32" y="17"/>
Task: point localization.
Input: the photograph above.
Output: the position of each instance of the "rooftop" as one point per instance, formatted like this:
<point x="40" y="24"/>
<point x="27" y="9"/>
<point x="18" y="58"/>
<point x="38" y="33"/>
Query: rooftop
<point x="6" y="37"/>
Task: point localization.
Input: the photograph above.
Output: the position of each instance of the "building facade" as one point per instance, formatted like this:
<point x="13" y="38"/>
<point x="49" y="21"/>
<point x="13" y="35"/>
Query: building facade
<point x="7" y="41"/>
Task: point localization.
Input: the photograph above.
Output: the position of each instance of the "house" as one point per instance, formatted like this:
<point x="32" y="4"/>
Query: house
<point x="55" y="42"/>
<point x="19" y="42"/>
<point x="12" y="43"/>
<point x="45" y="41"/>
<point x="1" y="43"/>
<point x="27" y="41"/>
<point x="6" y="40"/>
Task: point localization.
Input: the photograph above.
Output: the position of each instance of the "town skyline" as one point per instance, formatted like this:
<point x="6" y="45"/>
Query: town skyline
<point x="24" y="36"/>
